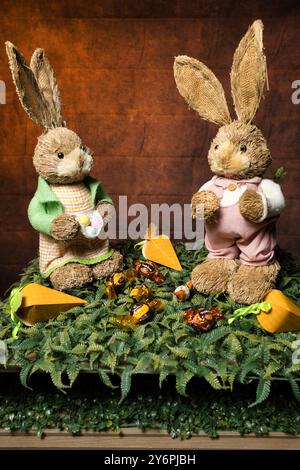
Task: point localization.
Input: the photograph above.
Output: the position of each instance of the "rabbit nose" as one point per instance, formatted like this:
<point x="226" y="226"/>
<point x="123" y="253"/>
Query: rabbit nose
<point x="226" y="153"/>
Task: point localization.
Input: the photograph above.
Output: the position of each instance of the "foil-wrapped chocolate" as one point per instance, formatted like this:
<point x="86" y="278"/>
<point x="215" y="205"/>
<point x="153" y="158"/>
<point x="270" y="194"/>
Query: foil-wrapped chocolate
<point x="202" y="319"/>
<point x="183" y="292"/>
<point x="156" y="305"/>
<point x="114" y="284"/>
<point x="148" y="269"/>
<point x="124" y="321"/>
<point x="140" y="293"/>
<point x="140" y="312"/>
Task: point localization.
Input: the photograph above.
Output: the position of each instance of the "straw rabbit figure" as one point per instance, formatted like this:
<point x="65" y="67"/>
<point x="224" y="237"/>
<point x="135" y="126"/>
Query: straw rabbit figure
<point x="65" y="190"/>
<point x="239" y="207"/>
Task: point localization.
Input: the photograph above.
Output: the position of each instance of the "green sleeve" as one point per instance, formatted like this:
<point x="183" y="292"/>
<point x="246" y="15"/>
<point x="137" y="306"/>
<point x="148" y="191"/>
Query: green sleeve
<point x="41" y="214"/>
<point x="102" y="195"/>
<point x="98" y="192"/>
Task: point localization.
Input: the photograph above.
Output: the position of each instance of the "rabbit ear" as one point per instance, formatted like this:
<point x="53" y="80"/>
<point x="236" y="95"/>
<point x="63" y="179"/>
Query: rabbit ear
<point x="248" y="73"/>
<point x="46" y="81"/>
<point x="201" y="89"/>
<point x="27" y="88"/>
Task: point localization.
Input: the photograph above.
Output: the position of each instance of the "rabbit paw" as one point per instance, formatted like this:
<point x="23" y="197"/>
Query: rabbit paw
<point x="251" y="205"/>
<point x="64" y="227"/>
<point x="108" y="266"/>
<point x="208" y="201"/>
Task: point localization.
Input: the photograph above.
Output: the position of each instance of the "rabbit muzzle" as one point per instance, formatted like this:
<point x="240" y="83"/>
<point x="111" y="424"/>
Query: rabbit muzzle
<point x="76" y="164"/>
<point x="225" y="155"/>
<point x="229" y="161"/>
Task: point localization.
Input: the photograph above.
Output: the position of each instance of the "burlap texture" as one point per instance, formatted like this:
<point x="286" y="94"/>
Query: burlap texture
<point x="27" y="88"/>
<point x="201" y="89"/>
<point x="248" y="73"/>
<point x="46" y="81"/>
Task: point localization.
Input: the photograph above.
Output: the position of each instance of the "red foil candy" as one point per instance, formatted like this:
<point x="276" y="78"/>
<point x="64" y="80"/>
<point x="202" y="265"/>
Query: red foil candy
<point x="148" y="269"/>
<point x="202" y="319"/>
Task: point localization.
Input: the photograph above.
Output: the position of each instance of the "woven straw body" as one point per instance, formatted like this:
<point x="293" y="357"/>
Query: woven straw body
<point x="76" y="199"/>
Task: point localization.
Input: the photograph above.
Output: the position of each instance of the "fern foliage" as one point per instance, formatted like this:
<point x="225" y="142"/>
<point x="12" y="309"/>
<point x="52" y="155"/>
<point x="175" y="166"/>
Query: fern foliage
<point x="89" y="338"/>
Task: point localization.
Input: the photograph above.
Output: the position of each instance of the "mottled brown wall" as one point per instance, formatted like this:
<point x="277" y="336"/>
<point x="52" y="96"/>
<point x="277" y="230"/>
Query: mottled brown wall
<point x="113" y="61"/>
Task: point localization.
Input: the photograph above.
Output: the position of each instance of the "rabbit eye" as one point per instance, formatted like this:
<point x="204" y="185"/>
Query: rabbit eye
<point x="60" y="155"/>
<point x="82" y="147"/>
<point x="243" y="148"/>
<point x="216" y="147"/>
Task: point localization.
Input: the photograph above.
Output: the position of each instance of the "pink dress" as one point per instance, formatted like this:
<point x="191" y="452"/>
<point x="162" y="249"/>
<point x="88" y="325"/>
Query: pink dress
<point x="232" y="236"/>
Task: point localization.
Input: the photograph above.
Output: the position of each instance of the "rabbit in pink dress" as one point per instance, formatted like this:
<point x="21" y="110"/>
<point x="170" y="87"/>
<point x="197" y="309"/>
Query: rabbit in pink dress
<point x="239" y="206"/>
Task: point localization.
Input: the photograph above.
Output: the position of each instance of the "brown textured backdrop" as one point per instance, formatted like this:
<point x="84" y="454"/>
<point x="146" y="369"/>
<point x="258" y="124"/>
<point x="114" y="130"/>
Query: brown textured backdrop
<point x="113" y="60"/>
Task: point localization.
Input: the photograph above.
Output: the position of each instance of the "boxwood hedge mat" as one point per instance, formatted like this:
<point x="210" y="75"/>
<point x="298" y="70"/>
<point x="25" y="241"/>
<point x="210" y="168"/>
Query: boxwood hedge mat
<point x="95" y="408"/>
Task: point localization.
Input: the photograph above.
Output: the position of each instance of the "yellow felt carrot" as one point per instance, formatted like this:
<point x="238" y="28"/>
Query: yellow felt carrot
<point x="276" y="314"/>
<point x="34" y="303"/>
<point x="284" y="316"/>
<point x="159" y="249"/>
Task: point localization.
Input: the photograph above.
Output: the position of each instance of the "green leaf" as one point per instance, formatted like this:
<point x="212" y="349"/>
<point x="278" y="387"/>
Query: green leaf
<point x="143" y="363"/>
<point x="41" y="364"/>
<point x="100" y="292"/>
<point x="125" y="382"/>
<point x="191" y="367"/>
<point x="110" y="360"/>
<point x="105" y="379"/>
<point x="182" y="379"/>
<point x="72" y="373"/>
<point x="235" y="344"/>
<point x="119" y="336"/>
<point x="213" y="380"/>
<point x="262" y="391"/>
<point x="24" y="373"/>
<point x="163" y="375"/>
<point x="15" y="300"/>
<point x="30" y="343"/>
<point x="79" y="349"/>
<point x="295" y="387"/>
<point x="215" y="335"/>
<point x="271" y="369"/>
<point x="55" y="375"/>
<point x="179" y="351"/>
<point x="93" y="357"/>
<point x="247" y="366"/>
<point x="279" y="174"/>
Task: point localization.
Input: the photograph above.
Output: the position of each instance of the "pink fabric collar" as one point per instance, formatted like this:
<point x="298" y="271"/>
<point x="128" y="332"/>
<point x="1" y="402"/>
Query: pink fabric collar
<point x="224" y="182"/>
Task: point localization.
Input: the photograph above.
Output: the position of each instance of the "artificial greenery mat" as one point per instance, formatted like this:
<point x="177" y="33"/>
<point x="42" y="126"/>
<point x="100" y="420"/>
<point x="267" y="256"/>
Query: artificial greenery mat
<point x="87" y="338"/>
<point x="91" y="407"/>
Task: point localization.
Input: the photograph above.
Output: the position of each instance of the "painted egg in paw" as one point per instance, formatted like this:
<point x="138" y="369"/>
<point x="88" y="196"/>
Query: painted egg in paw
<point x="90" y="232"/>
<point x="84" y="220"/>
<point x="97" y="221"/>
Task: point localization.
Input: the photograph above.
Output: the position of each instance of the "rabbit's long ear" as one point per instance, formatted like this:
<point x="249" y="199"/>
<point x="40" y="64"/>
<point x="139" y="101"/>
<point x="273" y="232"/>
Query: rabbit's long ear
<point x="46" y="80"/>
<point x="27" y="88"/>
<point x="248" y="73"/>
<point x="201" y="89"/>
